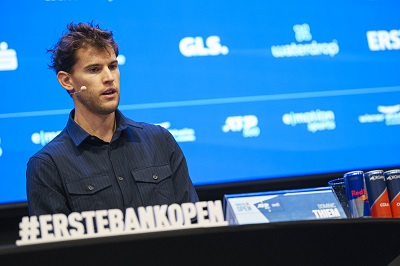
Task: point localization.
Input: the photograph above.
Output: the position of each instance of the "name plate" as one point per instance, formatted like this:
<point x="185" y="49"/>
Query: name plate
<point x="284" y="205"/>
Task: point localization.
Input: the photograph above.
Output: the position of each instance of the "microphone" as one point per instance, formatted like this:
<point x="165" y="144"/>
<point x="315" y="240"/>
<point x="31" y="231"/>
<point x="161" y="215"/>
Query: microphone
<point x="83" y="88"/>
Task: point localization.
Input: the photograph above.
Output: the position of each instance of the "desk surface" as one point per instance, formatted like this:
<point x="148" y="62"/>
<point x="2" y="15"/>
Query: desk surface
<point x="323" y="242"/>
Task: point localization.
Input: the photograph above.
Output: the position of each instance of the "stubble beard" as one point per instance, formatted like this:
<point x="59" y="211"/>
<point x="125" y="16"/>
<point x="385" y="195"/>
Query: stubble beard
<point x="93" y="105"/>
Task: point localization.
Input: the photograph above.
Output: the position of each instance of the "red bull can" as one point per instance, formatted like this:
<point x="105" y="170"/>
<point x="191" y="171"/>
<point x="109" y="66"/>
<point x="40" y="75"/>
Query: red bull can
<point x="393" y="186"/>
<point x="357" y="194"/>
<point x="378" y="197"/>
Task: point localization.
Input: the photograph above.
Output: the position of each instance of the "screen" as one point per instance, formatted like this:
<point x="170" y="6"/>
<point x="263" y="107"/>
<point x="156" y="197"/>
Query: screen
<point x="251" y="90"/>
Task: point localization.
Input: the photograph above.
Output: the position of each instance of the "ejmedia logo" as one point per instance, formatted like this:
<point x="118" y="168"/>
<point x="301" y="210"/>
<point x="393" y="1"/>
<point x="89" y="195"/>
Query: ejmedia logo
<point x="42" y="137"/>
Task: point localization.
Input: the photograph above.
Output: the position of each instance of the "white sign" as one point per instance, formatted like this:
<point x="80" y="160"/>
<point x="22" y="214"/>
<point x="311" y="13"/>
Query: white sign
<point x="100" y="223"/>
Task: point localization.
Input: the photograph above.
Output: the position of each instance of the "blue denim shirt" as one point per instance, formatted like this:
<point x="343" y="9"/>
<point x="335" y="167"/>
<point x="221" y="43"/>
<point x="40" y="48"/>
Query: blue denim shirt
<point x="141" y="166"/>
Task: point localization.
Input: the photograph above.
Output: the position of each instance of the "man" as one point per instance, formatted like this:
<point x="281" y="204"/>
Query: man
<point x="102" y="160"/>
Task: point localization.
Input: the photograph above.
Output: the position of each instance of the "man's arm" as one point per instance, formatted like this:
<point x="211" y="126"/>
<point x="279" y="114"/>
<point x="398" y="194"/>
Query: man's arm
<point x="44" y="187"/>
<point x="184" y="189"/>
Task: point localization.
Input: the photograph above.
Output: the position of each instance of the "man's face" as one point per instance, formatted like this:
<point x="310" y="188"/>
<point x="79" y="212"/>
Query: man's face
<point x="98" y="71"/>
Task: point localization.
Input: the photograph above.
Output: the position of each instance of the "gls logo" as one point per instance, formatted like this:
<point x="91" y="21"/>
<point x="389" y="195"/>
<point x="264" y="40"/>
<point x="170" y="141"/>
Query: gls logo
<point x="194" y="46"/>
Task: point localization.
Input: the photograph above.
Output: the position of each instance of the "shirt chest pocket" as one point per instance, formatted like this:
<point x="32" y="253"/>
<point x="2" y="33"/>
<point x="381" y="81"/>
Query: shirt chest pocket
<point x="155" y="185"/>
<point x="89" y="193"/>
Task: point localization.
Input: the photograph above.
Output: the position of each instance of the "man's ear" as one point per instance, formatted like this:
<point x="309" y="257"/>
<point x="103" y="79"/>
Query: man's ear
<point x="65" y="81"/>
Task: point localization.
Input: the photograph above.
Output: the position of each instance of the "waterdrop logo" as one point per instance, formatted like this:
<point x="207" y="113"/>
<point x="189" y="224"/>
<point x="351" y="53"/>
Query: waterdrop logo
<point x="8" y="58"/>
<point x="302" y="33"/>
<point x="196" y="46"/>
<point x="388" y="114"/>
<point x="42" y="137"/>
<point x="247" y="124"/>
<point x="316" y="120"/>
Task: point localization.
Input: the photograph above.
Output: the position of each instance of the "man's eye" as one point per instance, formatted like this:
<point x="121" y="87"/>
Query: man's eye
<point x="93" y="69"/>
<point x="114" y="66"/>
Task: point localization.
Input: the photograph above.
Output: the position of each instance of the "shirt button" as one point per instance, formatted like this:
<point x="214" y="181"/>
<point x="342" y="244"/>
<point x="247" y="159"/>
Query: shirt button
<point x="120" y="178"/>
<point x="90" y="187"/>
<point x="155" y="177"/>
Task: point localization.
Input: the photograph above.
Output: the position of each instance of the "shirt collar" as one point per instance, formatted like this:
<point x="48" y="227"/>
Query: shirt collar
<point x="78" y="134"/>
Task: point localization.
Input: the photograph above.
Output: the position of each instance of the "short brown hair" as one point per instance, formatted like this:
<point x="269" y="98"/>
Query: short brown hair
<point x="80" y="35"/>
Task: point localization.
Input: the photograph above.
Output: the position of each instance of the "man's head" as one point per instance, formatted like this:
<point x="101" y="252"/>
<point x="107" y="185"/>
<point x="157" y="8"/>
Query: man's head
<point x="86" y="56"/>
<point x="80" y="35"/>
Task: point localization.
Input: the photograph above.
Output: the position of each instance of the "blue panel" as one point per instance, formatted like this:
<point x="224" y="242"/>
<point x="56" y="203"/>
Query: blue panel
<point x="250" y="89"/>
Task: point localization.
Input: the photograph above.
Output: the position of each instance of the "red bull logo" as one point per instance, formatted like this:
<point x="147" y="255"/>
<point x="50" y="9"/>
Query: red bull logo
<point x="357" y="194"/>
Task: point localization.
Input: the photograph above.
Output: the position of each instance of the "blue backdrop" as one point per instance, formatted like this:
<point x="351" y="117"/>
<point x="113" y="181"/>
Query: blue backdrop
<point x="250" y="89"/>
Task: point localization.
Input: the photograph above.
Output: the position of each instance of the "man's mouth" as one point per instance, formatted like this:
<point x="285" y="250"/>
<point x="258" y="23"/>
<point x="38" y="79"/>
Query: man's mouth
<point x="109" y="92"/>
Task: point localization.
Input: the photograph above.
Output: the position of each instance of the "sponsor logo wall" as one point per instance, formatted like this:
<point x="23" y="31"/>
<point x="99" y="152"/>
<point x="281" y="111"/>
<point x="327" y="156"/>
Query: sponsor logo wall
<point x="250" y="92"/>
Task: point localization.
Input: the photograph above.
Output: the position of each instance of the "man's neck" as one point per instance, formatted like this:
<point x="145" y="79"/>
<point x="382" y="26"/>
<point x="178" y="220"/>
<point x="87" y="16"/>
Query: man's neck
<point x="101" y="126"/>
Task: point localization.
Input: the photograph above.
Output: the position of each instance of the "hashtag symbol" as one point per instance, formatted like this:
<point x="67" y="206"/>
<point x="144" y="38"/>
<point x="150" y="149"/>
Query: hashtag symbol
<point x="29" y="228"/>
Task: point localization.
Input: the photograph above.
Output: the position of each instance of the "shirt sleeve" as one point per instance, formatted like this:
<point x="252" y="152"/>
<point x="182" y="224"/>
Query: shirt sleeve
<point x="45" y="192"/>
<point x="183" y="187"/>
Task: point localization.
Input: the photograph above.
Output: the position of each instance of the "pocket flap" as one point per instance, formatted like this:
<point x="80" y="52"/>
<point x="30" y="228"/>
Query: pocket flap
<point x="153" y="174"/>
<point x="88" y="185"/>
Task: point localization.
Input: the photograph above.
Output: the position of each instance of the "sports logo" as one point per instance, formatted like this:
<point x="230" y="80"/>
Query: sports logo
<point x="316" y="120"/>
<point x="247" y="124"/>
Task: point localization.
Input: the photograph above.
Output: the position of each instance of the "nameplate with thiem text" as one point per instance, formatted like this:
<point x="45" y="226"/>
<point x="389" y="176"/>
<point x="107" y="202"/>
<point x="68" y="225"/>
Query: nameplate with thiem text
<point x="113" y="222"/>
<point x="283" y="205"/>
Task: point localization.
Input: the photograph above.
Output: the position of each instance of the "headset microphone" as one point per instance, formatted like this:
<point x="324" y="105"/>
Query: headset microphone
<point x="83" y="88"/>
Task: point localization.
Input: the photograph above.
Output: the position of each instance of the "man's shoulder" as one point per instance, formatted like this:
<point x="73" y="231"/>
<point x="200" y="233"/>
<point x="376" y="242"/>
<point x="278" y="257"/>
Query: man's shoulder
<point x="57" y="145"/>
<point x="147" y="127"/>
